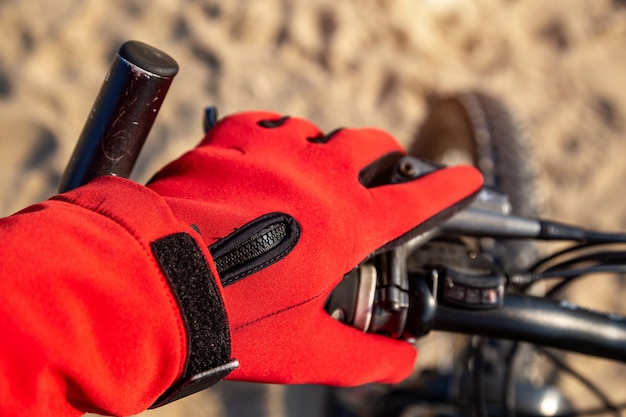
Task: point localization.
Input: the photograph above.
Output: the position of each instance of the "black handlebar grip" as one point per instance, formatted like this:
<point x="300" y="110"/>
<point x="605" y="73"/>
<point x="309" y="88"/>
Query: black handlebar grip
<point x="544" y="322"/>
<point x="122" y="115"/>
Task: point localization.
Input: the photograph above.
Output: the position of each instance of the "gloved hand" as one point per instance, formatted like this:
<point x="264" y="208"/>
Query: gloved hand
<point x="286" y="212"/>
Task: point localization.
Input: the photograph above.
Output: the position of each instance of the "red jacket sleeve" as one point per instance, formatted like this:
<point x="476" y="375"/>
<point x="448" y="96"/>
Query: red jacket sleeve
<point x="89" y="320"/>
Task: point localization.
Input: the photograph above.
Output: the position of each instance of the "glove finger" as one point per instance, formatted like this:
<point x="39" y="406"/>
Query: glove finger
<point x="361" y="147"/>
<point x="372" y="358"/>
<point x="407" y="209"/>
<point x="253" y="131"/>
<point x="316" y="349"/>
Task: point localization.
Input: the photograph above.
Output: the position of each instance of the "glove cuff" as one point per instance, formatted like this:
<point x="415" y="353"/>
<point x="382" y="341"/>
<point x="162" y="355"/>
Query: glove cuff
<point x="187" y="267"/>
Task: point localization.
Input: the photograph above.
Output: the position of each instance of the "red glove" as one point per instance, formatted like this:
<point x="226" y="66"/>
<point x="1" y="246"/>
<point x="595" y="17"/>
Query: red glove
<point x="112" y="300"/>
<point x="301" y="197"/>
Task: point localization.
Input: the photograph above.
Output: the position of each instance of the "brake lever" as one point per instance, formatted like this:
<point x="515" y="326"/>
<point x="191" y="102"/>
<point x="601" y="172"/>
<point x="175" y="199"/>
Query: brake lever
<point x="379" y="297"/>
<point x="489" y="215"/>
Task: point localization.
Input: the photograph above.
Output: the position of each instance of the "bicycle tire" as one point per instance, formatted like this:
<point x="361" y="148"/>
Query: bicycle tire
<point x="477" y="128"/>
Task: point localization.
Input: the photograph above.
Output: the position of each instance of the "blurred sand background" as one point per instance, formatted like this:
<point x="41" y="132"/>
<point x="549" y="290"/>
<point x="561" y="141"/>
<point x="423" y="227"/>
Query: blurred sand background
<point x="560" y="65"/>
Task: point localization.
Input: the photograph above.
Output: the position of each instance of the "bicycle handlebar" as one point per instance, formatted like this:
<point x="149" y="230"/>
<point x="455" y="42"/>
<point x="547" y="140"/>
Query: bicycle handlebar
<point x="125" y="110"/>
<point x="558" y="324"/>
<point x="122" y="115"/>
<point x="546" y="322"/>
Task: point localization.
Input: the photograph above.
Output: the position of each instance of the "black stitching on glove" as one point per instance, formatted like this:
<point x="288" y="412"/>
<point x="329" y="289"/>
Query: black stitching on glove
<point x="322" y="138"/>
<point x="271" y="124"/>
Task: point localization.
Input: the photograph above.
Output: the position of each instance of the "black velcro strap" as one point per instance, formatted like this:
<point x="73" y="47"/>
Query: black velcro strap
<point x="203" y="312"/>
<point x="195" y="383"/>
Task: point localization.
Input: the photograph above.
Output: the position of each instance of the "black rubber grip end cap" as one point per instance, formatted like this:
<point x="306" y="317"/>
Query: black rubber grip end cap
<point x="149" y="59"/>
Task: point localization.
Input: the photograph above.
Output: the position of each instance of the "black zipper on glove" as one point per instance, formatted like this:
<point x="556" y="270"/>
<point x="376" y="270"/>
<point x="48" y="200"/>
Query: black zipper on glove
<point x="255" y="246"/>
